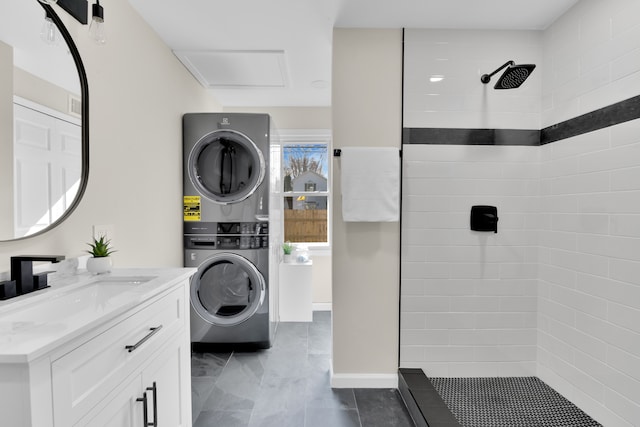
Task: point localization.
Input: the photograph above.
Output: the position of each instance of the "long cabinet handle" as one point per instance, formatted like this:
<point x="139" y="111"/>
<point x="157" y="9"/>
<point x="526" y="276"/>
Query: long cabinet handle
<point x="154" y="389"/>
<point x="145" y="415"/>
<point x="143" y="340"/>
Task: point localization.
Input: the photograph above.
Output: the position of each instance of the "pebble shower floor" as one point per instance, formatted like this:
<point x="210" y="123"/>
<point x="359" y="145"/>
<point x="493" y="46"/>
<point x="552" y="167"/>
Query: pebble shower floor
<point x="512" y="402"/>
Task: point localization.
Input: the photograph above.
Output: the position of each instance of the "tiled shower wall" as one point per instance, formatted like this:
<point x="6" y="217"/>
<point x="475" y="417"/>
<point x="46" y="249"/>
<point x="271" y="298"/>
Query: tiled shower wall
<point x="589" y="287"/>
<point x="469" y="299"/>
<point x="575" y="241"/>
<point x="468" y="304"/>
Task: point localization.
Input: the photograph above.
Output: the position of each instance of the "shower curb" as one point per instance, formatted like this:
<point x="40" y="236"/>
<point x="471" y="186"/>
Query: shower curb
<point x="426" y="407"/>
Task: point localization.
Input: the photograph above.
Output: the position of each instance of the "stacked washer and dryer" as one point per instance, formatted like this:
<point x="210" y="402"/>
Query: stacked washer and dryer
<point x="228" y="180"/>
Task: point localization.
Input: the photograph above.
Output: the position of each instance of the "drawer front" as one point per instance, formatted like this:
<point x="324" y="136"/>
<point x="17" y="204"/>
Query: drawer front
<point x="84" y="376"/>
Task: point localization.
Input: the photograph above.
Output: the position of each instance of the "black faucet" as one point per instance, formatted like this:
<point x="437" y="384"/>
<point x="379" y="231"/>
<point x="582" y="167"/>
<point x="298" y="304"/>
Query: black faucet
<point x="22" y="272"/>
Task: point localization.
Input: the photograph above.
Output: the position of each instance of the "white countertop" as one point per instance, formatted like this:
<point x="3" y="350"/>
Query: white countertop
<point x="34" y="324"/>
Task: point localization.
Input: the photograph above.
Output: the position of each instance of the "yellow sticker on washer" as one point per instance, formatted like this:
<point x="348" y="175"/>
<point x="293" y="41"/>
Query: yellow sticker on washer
<point x="192" y="208"/>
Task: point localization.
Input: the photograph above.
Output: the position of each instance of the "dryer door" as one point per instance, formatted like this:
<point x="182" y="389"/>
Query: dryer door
<point x="226" y="166"/>
<point x="227" y="289"/>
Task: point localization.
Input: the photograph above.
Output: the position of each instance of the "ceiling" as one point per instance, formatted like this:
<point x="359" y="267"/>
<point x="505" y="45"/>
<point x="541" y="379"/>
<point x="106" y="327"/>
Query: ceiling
<point x="278" y="52"/>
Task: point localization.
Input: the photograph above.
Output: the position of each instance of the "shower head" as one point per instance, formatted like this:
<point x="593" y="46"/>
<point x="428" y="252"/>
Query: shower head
<point x="512" y="78"/>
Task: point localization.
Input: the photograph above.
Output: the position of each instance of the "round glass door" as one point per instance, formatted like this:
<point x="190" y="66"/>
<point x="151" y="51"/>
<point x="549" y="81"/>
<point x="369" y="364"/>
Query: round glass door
<point x="226" y="166"/>
<point x="227" y="289"/>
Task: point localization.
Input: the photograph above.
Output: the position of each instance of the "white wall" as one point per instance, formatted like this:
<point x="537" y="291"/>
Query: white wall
<point x="589" y="296"/>
<point x="138" y="92"/>
<point x="366" y="101"/>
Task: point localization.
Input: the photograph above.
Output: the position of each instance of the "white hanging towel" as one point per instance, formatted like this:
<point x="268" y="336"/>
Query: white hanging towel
<point x="370" y="184"/>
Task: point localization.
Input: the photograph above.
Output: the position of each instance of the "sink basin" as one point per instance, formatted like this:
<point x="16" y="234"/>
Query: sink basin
<point x="75" y="305"/>
<point x="126" y="280"/>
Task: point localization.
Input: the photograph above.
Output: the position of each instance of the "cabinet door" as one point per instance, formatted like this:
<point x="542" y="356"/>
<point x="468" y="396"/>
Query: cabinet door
<point x="172" y="387"/>
<point x="123" y="410"/>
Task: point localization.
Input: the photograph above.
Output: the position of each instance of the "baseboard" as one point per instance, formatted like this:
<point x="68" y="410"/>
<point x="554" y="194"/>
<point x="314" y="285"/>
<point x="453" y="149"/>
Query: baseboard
<point x="364" y="380"/>
<point x="321" y="306"/>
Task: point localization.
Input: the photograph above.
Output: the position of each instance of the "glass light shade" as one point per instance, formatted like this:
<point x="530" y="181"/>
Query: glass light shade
<point x="97" y="31"/>
<point x="96" y="28"/>
<point x="49" y="32"/>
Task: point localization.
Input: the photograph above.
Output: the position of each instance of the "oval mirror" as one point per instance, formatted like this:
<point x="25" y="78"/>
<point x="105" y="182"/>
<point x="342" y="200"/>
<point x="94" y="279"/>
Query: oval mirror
<point x="44" y="133"/>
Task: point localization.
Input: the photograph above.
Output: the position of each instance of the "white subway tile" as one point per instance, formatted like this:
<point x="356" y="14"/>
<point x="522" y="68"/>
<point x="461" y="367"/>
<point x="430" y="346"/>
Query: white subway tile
<point x="448" y="354"/>
<point x="595" y="244"/>
<point x="411" y="354"/>
<point x="518" y="304"/>
<point x="608" y="375"/>
<point x="424" y="304"/>
<point x="553" y="345"/>
<point x="555" y="311"/>
<point x="412" y="321"/>
<point x="425" y="337"/>
<point x="622" y="406"/>
<point x="449" y="287"/>
<point x="451" y="320"/>
<point x="625" y="179"/>
<point x="558" y="275"/>
<point x="624" y="362"/>
<point x="469" y="304"/>
<point x="412" y="287"/>
<point x="610" y="333"/>
<point x="624" y="248"/>
<point x="474" y="369"/>
<point x="595" y="203"/>
<point x="625" y="271"/>
<point x="503" y="287"/>
<point x="418" y="270"/>
<point x="624" y="225"/>
<point x="520" y="270"/>
<point x="624" y="316"/>
<point x="625" y="133"/>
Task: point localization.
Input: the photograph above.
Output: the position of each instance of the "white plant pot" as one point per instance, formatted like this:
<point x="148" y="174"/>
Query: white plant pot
<point x="99" y="265"/>
<point x="287" y="258"/>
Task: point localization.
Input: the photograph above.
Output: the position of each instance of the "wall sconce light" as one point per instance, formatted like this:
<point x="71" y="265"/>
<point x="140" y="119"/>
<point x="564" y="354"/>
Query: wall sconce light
<point x="49" y="32"/>
<point x="96" y="28"/>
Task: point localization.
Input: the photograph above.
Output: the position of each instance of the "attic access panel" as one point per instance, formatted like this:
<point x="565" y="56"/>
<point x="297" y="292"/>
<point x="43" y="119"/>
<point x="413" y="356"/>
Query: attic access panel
<point x="236" y="69"/>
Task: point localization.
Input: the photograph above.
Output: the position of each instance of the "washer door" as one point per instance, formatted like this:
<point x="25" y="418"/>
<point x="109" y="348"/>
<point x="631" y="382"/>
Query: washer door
<point x="226" y="166"/>
<point x="227" y="289"/>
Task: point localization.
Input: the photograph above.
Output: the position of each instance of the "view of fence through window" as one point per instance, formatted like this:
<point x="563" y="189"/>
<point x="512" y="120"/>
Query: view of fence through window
<point x="306" y="182"/>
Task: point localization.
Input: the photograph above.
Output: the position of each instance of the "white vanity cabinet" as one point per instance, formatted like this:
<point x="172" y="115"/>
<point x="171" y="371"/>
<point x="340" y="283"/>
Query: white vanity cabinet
<point x="133" y="369"/>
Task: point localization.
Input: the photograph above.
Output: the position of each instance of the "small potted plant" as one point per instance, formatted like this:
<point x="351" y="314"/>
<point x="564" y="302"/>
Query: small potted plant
<point x="287" y="248"/>
<point x="100" y="262"/>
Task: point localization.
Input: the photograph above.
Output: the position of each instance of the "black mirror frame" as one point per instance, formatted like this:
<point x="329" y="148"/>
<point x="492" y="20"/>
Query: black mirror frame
<point x="84" y="92"/>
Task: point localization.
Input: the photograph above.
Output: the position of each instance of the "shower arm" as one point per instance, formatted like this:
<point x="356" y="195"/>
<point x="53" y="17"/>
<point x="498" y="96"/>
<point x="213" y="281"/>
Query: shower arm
<point x="486" y="78"/>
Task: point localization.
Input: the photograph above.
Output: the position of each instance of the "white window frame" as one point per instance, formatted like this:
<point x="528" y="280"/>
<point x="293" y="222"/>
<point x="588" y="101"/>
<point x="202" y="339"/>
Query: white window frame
<point x="309" y="136"/>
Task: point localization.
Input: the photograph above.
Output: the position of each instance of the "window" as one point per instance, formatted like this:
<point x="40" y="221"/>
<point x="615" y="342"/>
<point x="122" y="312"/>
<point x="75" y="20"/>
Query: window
<point x="306" y="187"/>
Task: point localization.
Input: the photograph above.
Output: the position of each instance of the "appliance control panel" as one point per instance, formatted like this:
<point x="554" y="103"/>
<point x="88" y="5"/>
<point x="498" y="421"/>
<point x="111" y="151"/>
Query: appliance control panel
<point x="227" y="228"/>
<point x="226" y="242"/>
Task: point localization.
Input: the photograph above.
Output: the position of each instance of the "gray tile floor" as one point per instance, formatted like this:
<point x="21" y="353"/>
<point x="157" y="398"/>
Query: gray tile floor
<point x="286" y="386"/>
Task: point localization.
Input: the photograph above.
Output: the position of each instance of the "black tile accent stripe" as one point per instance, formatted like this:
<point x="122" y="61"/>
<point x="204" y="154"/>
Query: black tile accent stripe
<point x="450" y="136"/>
<point x="611" y="115"/>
